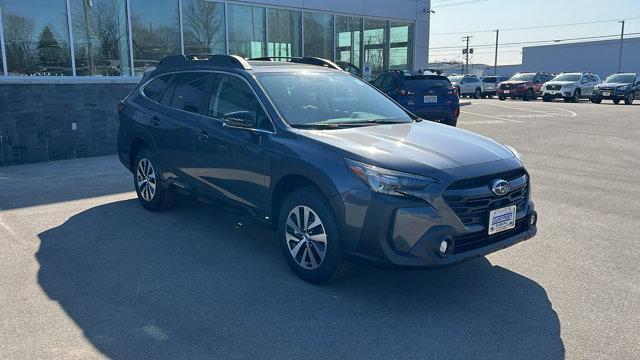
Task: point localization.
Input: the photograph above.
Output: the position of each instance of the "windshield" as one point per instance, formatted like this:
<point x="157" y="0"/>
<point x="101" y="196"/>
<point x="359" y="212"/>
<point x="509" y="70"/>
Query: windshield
<point x="489" y="79"/>
<point x="314" y="99"/>
<point x="567" y="77"/>
<point x="456" y="78"/>
<point x="523" y="77"/>
<point x="621" y="78"/>
<point x="422" y="82"/>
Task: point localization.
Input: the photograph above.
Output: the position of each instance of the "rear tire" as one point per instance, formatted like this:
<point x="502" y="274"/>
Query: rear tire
<point x="313" y="251"/>
<point x="476" y="94"/>
<point x="628" y="100"/>
<point x="153" y="193"/>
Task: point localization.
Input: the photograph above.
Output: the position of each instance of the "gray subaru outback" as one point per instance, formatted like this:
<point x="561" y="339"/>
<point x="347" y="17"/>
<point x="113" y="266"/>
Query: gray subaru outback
<point x="342" y="172"/>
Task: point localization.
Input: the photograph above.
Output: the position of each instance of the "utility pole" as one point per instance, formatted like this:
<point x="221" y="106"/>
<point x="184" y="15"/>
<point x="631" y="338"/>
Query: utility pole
<point x="466" y="53"/>
<point x="621" y="44"/>
<point x="495" y="64"/>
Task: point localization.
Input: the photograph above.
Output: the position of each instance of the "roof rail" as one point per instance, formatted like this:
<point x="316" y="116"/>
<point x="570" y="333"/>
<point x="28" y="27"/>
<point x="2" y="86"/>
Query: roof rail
<point x="302" y="60"/>
<point x="230" y="61"/>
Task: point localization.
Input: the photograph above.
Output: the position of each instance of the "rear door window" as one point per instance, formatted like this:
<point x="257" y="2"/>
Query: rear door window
<point x="156" y="88"/>
<point x="188" y="90"/>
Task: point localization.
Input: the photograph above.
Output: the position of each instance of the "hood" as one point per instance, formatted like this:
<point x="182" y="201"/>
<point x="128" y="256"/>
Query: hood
<point x="515" y="82"/>
<point x="418" y="148"/>
<point x="561" y="83"/>
<point x="612" y="85"/>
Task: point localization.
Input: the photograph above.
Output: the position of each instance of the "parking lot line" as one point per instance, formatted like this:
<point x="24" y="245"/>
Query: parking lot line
<point x="493" y="117"/>
<point x="571" y="113"/>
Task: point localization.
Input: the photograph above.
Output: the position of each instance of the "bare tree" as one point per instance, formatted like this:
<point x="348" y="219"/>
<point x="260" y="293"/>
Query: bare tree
<point x="203" y="25"/>
<point x="18" y="32"/>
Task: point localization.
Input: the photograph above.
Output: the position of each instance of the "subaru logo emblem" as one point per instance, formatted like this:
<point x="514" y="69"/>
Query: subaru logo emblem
<point x="500" y="187"/>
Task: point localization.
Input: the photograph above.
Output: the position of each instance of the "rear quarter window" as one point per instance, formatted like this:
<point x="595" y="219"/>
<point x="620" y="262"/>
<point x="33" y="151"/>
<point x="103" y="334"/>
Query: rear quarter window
<point x="156" y="88"/>
<point x="188" y="92"/>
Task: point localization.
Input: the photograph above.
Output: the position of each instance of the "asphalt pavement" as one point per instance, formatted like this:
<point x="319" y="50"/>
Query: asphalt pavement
<point x="86" y="272"/>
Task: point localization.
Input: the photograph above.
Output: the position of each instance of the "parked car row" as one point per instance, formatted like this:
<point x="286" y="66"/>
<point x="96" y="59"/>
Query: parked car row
<point x="571" y="87"/>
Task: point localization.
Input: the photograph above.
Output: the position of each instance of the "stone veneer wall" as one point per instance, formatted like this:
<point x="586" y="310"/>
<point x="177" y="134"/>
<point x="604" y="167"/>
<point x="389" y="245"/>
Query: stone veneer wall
<point x="58" y="119"/>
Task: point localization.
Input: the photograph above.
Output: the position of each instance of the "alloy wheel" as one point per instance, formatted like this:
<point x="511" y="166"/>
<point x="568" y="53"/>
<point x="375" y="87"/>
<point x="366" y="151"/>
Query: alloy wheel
<point x="306" y="237"/>
<point x="146" y="177"/>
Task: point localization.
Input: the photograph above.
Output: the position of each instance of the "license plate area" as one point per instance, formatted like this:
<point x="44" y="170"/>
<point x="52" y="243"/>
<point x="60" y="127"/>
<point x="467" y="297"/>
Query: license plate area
<point x="606" y="93"/>
<point x="506" y="91"/>
<point x="502" y="219"/>
<point x="430" y="99"/>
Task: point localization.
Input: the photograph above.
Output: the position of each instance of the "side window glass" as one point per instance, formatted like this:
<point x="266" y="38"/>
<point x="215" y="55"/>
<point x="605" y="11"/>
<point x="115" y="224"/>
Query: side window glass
<point x="387" y="82"/>
<point x="378" y="81"/>
<point x="231" y="94"/>
<point x="156" y="88"/>
<point x="187" y="94"/>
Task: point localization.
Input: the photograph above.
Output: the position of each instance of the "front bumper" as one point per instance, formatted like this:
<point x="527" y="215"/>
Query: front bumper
<point x="557" y="94"/>
<point x="611" y="94"/>
<point x="406" y="232"/>
<point x="517" y="92"/>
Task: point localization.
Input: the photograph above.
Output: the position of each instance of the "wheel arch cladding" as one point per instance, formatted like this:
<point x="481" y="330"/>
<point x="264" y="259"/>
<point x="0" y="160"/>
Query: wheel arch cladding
<point x="285" y="186"/>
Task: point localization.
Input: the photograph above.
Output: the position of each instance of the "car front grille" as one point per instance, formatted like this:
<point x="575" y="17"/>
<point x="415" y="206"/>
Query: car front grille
<point x="474" y="210"/>
<point x="506" y="86"/>
<point x="478" y="239"/>
<point x="554" y="87"/>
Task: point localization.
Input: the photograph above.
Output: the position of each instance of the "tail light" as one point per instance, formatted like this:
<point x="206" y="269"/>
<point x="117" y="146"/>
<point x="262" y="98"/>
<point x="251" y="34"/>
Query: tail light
<point x="454" y="91"/>
<point x="456" y="112"/>
<point x="120" y="106"/>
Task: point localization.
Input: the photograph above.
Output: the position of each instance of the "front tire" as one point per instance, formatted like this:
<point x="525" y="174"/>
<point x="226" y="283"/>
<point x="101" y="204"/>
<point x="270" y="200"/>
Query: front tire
<point x="616" y="101"/>
<point x="576" y="96"/>
<point x="629" y="98"/>
<point x="547" y="99"/>
<point x="596" y="100"/>
<point x="153" y="193"/>
<point x="502" y="98"/>
<point x="310" y="239"/>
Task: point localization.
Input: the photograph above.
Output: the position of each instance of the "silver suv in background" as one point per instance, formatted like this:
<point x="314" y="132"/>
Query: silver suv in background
<point x="467" y="85"/>
<point x="490" y="84"/>
<point x="570" y="86"/>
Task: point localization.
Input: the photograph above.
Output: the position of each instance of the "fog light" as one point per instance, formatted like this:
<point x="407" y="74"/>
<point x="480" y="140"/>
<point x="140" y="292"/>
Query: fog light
<point x="444" y="246"/>
<point x="533" y="219"/>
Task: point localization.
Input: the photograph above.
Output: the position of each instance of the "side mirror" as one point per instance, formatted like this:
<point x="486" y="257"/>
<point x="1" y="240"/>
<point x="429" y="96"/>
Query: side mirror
<point x="238" y="119"/>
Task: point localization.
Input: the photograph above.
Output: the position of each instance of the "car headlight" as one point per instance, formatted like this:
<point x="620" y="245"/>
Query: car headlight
<point x="622" y="88"/>
<point x="516" y="154"/>
<point x="386" y="181"/>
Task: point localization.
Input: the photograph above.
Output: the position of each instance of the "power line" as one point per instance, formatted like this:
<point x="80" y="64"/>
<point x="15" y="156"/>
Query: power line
<point x="537" y="27"/>
<point x="459" y="3"/>
<point x="536" y="42"/>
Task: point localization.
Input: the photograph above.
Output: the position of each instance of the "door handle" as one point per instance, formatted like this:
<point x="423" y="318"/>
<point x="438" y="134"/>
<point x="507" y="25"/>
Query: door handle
<point x="154" y="121"/>
<point x="202" y="135"/>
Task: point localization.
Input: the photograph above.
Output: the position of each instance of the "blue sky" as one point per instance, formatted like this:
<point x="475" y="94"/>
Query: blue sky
<point x="471" y="18"/>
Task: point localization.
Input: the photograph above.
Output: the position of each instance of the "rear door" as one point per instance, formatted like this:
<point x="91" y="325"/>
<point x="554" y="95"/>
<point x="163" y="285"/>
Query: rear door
<point x="230" y="162"/>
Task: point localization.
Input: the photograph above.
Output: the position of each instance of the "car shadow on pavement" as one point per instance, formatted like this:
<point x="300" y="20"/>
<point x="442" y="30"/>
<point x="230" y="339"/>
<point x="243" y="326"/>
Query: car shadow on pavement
<point x="201" y="282"/>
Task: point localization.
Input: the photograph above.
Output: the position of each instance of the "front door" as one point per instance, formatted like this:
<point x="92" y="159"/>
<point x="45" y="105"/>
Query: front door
<point x="230" y="162"/>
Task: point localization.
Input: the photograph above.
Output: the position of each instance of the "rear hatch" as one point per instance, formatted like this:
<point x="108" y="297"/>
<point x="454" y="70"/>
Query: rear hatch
<point x="427" y="90"/>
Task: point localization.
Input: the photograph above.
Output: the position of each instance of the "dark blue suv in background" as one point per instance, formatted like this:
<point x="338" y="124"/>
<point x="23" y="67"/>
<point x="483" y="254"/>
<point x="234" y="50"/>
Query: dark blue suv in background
<point x="341" y="172"/>
<point x="429" y="96"/>
<point x="618" y="87"/>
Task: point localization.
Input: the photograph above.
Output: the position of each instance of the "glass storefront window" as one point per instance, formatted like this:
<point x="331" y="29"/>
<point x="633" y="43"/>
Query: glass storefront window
<point x="100" y="37"/>
<point x="376" y="45"/>
<point x="401" y="45"/>
<point x="155" y="27"/>
<point x="349" y="39"/>
<point x="203" y="25"/>
<point x="246" y="30"/>
<point x="36" y="37"/>
<point x="285" y="33"/>
<point x="318" y="35"/>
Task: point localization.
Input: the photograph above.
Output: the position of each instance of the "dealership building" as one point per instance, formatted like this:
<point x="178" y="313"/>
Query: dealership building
<point x="66" y="63"/>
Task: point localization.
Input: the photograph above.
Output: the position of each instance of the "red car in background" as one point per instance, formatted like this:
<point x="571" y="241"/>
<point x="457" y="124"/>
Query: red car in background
<point x="525" y="86"/>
